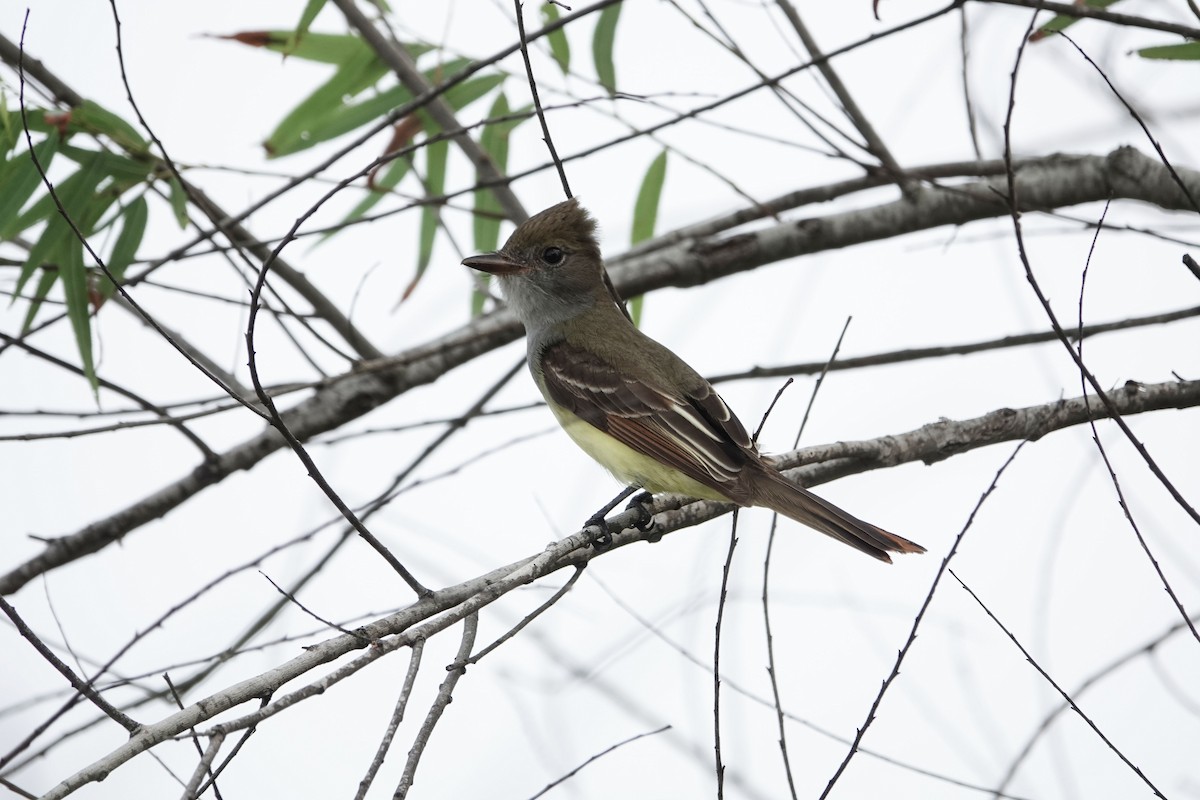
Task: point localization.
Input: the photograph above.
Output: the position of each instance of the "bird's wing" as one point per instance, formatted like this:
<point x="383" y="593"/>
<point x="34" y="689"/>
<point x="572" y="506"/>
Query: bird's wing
<point x="694" y="432"/>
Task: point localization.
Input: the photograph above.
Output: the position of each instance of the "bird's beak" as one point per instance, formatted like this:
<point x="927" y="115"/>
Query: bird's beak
<point x="496" y="264"/>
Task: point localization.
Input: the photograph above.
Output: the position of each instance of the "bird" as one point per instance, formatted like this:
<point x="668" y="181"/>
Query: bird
<point x="628" y="401"/>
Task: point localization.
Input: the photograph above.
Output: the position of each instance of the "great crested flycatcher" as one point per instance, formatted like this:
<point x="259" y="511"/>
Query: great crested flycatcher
<point x="632" y="404"/>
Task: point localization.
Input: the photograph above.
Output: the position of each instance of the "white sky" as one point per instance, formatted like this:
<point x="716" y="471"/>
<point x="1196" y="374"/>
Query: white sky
<point x="1050" y="553"/>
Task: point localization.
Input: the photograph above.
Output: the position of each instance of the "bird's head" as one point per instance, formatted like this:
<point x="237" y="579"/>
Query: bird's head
<point x="550" y="267"/>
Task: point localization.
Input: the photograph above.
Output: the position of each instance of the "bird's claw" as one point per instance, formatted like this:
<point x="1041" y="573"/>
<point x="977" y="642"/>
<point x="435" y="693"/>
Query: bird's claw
<point x="602" y="539"/>
<point x="645" y="520"/>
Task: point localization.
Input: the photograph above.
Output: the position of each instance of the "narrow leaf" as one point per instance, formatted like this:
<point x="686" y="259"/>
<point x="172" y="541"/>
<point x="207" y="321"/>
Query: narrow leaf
<point x="75" y="289"/>
<point x="48" y="279"/>
<point x="324" y="48"/>
<point x="467" y="92"/>
<point x="603" y="40"/>
<point x="488" y="212"/>
<point x="347" y="118"/>
<point x="636" y="305"/>
<point x="559" y="47"/>
<point x="179" y="201"/>
<point x="435" y="184"/>
<point x="125" y="248"/>
<point x="360" y="71"/>
<point x="20" y="178"/>
<point x="10" y="131"/>
<point x="645" y="216"/>
<point x="126" y="171"/>
<point x="645" y="210"/>
<point x="97" y="119"/>
<point x="76" y="193"/>
<point x="1187" y="51"/>
<point x="391" y="177"/>
<point x="1064" y="21"/>
<point x="311" y="9"/>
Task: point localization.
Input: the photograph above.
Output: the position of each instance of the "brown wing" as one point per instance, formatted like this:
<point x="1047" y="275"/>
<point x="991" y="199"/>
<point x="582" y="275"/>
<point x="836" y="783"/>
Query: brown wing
<point x="694" y="432"/>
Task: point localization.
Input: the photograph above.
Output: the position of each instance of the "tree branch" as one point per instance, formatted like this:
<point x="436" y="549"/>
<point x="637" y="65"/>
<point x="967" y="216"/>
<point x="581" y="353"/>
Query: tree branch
<point x="1045" y="184"/>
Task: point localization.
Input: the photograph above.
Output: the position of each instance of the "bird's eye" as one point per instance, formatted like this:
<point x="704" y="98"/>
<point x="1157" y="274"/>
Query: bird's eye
<point x="553" y="256"/>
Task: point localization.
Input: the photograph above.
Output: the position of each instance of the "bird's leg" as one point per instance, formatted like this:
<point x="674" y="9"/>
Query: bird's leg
<point x="603" y="539"/>
<point x="645" y="520"/>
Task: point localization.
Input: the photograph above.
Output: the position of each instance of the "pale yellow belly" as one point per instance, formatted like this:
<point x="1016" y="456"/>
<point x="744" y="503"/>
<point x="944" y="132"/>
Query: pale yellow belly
<point x="628" y="465"/>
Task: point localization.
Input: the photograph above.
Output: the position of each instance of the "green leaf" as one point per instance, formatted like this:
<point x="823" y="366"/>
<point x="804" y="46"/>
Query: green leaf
<point x="392" y="176"/>
<point x="645" y="216"/>
<point x="20" y="179"/>
<point x="326" y="114"/>
<point x="311" y="9"/>
<point x="635" y="309"/>
<point x="470" y="90"/>
<point x="479" y="294"/>
<point x="126" y="171"/>
<point x="10" y="131"/>
<point x="96" y="119"/>
<point x="559" y="47"/>
<point x="48" y="279"/>
<point x="488" y="211"/>
<point x="76" y="194"/>
<point x="435" y="184"/>
<point x="645" y="210"/>
<point x="60" y="245"/>
<point x="324" y="48"/>
<point x="38" y="212"/>
<point x="350" y="117"/>
<point x="1187" y="51"/>
<point x="360" y="71"/>
<point x="602" y="47"/>
<point x="125" y="248"/>
<point x="74" y="279"/>
<point x="179" y="201"/>
<point x="1064" y="21"/>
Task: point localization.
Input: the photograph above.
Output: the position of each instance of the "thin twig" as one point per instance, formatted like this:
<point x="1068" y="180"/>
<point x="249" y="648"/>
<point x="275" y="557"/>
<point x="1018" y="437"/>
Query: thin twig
<point x="597" y="757"/>
<point x="537" y="102"/>
<point x="771" y="671"/>
<point x="191" y="733"/>
<point x="281" y="426"/>
<point x="875" y="143"/>
<point x="812" y="398"/>
<point x="1191" y="264"/>
<point x="237" y="748"/>
<point x="965" y="50"/>
<point x="1150" y="647"/>
<point x="1112" y="473"/>
<point x="770" y="638"/>
<point x="1081" y="11"/>
<point x="1015" y="214"/>
<point x="1141" y="123"/>
<point x="438" y="109"/>
<point x="531" y="616"/>
<point x="1074" y="706"/>
<point x="771" y="407"/>
<point x="291" y="597"/>
<point x="385" y="743"/>
<point x="912" y="634"/>
<point x="203" y="766"/>
<point x="918" y="353"/>
<point x="81" y="686"/>
<point x="454" y="671"/>
<point x="716" y="668"/>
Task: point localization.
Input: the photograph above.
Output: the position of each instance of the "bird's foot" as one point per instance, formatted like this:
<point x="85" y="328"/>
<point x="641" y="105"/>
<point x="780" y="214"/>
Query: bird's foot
<point x="601" y="539"/>
<point x="645" y="521"/>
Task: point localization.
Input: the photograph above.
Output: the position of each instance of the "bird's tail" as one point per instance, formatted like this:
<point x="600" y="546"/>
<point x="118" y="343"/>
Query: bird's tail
<point x="785" y="497"/>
